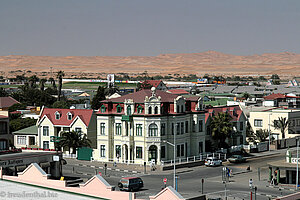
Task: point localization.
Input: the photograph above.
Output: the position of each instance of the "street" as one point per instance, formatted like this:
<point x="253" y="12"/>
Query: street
<point x="189" y="179"/>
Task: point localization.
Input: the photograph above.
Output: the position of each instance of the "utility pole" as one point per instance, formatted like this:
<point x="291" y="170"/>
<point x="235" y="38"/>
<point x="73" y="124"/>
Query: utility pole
<point x="297" y="176"/>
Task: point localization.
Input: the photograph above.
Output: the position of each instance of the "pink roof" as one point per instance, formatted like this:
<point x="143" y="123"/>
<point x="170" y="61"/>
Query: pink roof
<point x="154" y="83"/>
<point x="139" y="97"/>
<point x="178" y="91"/>
<point x="274" y="96"/>
<point x="83" y="114"/>
<point x="224" y="109"/>
<point x="6" y="102"/>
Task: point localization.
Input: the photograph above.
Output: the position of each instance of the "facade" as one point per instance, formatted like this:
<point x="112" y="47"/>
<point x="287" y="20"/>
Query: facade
<point x="278" y="100"/>
<point x="26" y="138"/>
<point x="265" y="119"/>
<point x="53" y="121"/>
<point x="239" y="123"/>
<point x="135" y="127"/>
<point x="6" y="139"/>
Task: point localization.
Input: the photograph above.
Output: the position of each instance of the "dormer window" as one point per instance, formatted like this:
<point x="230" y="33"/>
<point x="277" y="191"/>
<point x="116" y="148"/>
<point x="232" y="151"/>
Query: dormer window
<point x="57" y="115"/>
<point x="119" y="109"/>
<point x="103" y="108"/>
<point x="70" y="116"/>
<point x="139" y="109"/>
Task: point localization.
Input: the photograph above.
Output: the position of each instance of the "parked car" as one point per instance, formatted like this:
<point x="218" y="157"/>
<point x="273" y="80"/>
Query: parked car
<point x="130" y="183"/>
<point x="237" y="159"/>
<point x="211" y="161"/>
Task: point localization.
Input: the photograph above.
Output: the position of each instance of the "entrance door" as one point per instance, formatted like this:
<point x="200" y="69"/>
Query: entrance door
<point x="31" y="140"/>
<point x="152" y="153"/>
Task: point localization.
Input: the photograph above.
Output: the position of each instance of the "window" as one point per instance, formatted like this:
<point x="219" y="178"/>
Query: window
<point x="178" y="151"/>
<point x="181" y="108"/>
<point x="139" y="152"/>
<point x="182" y="150"/>
<point x="163" y="129"/>
<point x="258" y="122"/>
<point x="46" y="145"/>
<point x="102" y="151"/>
<point x="241" y="126"/>
<point x="3" y="144"/>
<point x="102" y="128"/>
<point x="186" y="126"/>
<point x="163" y="152"/>
<point x="178" y="128"/>
<point x="70" y="116"/>
<point x="118" y="151"/>
<point x="128" y="110"/>
<point x="200" y="147"/>
<point x="31" y="140"/>
<point x="103" y="108"/>
<point x="150" y="110"/>
<point x="194" y="126"/>
<point x="78" y="130"/>
<point x="21" y="140"/>
<point x="156" y="110"/>
<point x="182" y="128"/>
<point x="45" y="130"/>
<point x="57" y="115"/>
<point x="298" y="122"/>
<point x="119" y="109"/>
<point x="139" y="130"/>
<point x="118" y="129"/>
<point x="3" y="127"/>
<point x="153" y="130"/>
<point x="200" y="126"/>
<point x="139" y="109"/>
<point x="178" y="109"/>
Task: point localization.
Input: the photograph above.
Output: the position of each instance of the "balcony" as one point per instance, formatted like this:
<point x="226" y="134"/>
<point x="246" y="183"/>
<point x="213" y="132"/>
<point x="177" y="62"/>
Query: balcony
<point x="126" y="118"/>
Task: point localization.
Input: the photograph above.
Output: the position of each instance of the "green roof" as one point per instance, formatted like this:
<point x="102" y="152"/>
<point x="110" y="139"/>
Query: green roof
<point x="29" y="130"/>
<point x="217" y="102"/>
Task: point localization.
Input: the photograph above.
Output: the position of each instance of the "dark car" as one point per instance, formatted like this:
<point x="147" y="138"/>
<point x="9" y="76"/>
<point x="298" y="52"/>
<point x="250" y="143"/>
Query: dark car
<point x="130" y="183"/>
<point x="237" y="159"/>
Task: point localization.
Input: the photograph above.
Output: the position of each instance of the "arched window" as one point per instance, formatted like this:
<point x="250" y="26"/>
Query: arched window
<point x="181" y="108"/>
<point x="103" y="108"/>
<point x="153" y="130"/>
<point x="178" y="109"/>
<point x="150" y="110"/>
<point x="128" y="110"/>
<point x="119" y="109"/>
<point x="57" y="115"/>
<point x="70" y="116"/>
<point x="139" y="109"/>
<point x="156" y="110"/>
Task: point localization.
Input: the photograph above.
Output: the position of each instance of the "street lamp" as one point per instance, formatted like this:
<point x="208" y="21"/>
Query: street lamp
<point x="174" y="178"/>
<point x="269" y="132"/>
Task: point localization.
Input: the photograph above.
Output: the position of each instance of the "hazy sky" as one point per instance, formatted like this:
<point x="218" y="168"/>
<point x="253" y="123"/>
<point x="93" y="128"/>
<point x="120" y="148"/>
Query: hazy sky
<point x="148" y="27"/>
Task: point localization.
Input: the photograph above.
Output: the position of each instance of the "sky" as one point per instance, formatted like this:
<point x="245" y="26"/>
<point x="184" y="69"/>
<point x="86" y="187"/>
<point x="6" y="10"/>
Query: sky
<point x="148" y="27"/>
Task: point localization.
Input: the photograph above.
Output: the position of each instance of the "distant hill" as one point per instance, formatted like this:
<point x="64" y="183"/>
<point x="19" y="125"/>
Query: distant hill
<point x="211" y="62"/>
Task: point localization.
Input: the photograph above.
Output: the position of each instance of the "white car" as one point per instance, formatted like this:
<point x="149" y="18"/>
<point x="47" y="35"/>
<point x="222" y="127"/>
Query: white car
<point x="210" y="161"/>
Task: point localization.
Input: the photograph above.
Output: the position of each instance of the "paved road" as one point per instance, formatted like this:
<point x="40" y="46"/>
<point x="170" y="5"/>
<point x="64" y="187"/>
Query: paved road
<point x="189" y="182"/>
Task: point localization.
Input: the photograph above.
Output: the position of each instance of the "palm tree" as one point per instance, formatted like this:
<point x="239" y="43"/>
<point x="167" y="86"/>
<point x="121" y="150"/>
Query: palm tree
<point x="52" y="82"/>
<point x="262" y="135"/>
<point x="32" y="81"/>
<point x="282" y="124"/>
<point x="42" y="84"/>
<point x="221" y="128"/>
<point x="74" y="140"/>
<point x="246" y="95"/>
<point x="60" y="75"/>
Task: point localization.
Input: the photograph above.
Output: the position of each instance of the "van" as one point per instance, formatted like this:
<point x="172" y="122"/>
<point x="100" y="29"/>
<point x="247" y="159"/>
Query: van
<point x="130" y="183"/>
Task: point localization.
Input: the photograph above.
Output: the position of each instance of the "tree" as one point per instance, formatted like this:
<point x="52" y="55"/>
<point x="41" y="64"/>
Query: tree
<point x="3" y="93"/>
<point x="60" y="75"/>
<point x="42" y="84"/>
<point x="246" y="95"/>
<point x="60" y="104"/>
<point x="221" y="128"/>
<point x="143" y="85"/>
<point x="282" y="124"/>
<point x="261" y="135"/>
<point x="74" y="140"/>
<point x="20" y="123"/>
<point x="32" y="81"/>
<point x="52" y="81"/>
<point x="100" y="95"/>
<point x="17" y="106"/>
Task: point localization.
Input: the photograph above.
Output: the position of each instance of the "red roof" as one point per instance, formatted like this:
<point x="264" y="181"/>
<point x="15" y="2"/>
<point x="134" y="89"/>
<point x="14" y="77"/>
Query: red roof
<point x="274" y="96"/>
<point x="139" y="97"/>
<point x="154" y="83"/>
<point x="6" y="102"/>
<point x="83" y="114"/>
<point x="3" y="116"/>
<point x="178" y="91"/>
<point x="229" y="109"/>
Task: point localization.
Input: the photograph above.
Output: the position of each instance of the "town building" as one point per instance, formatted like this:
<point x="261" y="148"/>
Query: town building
<point x="265" y="120"/>
<point x="278" y="100"/>
<point x="6" y="102"/>
<point x="136" y="127"/>
<point x="26" y="138"/>
<point x="158" y="84"/>
<point x="6" y="138"/>
<point x="238" y="120"/>
<point x="53" y="121"/>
